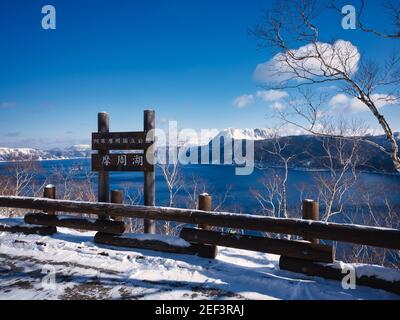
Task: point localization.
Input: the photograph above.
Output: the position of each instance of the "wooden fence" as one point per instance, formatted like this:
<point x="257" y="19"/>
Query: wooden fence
<point x="305" y="256"/>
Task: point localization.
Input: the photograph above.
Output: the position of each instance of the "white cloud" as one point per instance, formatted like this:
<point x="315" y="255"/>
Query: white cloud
<point x="341" y="55"/>
<point x="339" y="99"/>
<point x="278" y="106"/>
<point x="243" y="100"/>
<point x="271" y="95"/>
<point x="291" y="130"/>
<point x="345" y="103"/>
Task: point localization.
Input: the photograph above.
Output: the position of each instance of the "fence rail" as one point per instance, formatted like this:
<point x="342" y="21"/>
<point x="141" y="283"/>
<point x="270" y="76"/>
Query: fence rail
<point x="358" y="234"/>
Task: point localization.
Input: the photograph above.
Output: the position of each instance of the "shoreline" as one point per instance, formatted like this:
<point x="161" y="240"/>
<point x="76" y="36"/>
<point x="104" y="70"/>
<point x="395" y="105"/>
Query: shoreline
<point x="40" y="160"/>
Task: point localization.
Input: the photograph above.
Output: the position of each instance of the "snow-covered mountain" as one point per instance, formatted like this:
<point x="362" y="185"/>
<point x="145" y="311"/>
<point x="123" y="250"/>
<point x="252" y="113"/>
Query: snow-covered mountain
<point x="198" y="138"/>
<point x="11" y="154"/>
<point x="244" y="134"/>
<point x="307" y="149"/>
<point x="266" y="133"/>
<point x="16" y="154"/>
<point x="77" y="151"/>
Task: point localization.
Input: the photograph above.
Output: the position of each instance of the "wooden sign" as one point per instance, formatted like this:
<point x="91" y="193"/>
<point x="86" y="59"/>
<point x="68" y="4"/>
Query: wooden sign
<point x="120" y="141"/>
<point x="103" y="141"/>
<point x="121" y="162"/>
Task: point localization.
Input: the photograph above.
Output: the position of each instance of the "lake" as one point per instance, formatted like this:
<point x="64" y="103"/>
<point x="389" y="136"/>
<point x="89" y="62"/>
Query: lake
<point x="215" y="179"/>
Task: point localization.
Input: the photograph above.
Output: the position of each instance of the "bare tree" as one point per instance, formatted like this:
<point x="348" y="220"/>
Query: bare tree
<point x="372" y="207"/>
<point x="173" y="179"/>
<point x="133" y="196"/>
<point x="74" y="182"/>
<point x="220" y="199"/>
<point x="340" y="162"/>
<point x="22" y="177"/>
<point x="293" y="23"/>
<point x="196" y="186"/>
<point x="272" y="197"/>
<point x="274" y="201"/>
<point x="193" y="187"/>
<point x="83" y="189"/>
<point x="5" y="185"/>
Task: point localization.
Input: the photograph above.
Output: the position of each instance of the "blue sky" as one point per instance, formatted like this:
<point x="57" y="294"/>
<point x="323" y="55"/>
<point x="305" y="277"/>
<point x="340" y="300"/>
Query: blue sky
<point x="189" y="60"/>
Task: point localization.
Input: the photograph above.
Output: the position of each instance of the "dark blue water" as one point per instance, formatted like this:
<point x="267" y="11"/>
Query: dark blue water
<point x="217" y="179"/>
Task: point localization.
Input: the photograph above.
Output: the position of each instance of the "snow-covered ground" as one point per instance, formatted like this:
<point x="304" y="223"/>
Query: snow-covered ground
<point x="84" y="270"/>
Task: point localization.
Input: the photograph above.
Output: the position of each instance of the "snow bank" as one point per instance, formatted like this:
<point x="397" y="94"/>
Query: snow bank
<point x="14" y="222"/>
<point x="369" y="270"/>
<point x="171" y="240"/>
<point x="84" y="270"/>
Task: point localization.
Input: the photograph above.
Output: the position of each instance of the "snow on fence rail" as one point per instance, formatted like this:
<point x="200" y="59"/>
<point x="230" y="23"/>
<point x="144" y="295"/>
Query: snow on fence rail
<point x="358" y="234"/>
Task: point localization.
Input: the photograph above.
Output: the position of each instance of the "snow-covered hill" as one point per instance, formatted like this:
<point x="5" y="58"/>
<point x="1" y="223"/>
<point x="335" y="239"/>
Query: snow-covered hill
<point x="17" y="154"/>
<point x="244" y="134"/>
<point x="83" y="270"/>
<point x="10" y="154"/>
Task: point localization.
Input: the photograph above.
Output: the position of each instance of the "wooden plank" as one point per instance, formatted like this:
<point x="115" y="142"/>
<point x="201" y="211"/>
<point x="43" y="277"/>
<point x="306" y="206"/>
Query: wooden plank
<point x="330" y="271"/>
<point x="121" y="162"/>
<point x="149" y="187"/>
<point x="108" y="226"/>
<point x="40" y="230"/>
<point x="373" y="236"/>
<point x="296" y="249"/>
<point x="117" y="196"/>
<point x="120" y="141"/>
<point x="204" y="251"/>
<point x="103" y="122"/>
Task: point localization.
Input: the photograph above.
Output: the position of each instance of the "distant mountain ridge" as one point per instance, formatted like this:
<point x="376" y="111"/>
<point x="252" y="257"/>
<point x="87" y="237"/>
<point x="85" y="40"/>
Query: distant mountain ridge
<point x="25" y="154"/>
<point x="307" y="148"/>
<point x="244" y="134"/>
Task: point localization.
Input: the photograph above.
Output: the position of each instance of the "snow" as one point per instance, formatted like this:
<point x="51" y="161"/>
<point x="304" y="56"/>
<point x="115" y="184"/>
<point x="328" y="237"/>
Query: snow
<point x="84" y="270"/>
<point x="25" y="154"/>
<point x="171" y="240"/>
<point x="243" y="134"/>
<point x="19" y="153"/>
<point x="80" y="147"/>
<point x="14" y="222"/>
<point x="66" y="217"/>
<point x="378" y="272"/>
<point x="369" y="270"/>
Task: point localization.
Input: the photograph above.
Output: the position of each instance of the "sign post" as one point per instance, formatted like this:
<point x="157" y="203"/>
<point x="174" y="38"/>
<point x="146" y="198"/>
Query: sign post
<point x="103" y="124"/>
<point x="149" y="176"/>
<point x="135" y="160"/>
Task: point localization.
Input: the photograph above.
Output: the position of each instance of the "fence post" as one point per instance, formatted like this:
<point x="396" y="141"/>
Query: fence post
<point x="103" y="122"/>
<point x="205" y="204"/>
<point x="149" y="176"/>
<point x="117" y="196"/>
<point x="50" y="193"/>
<point x="311" y="212"/>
